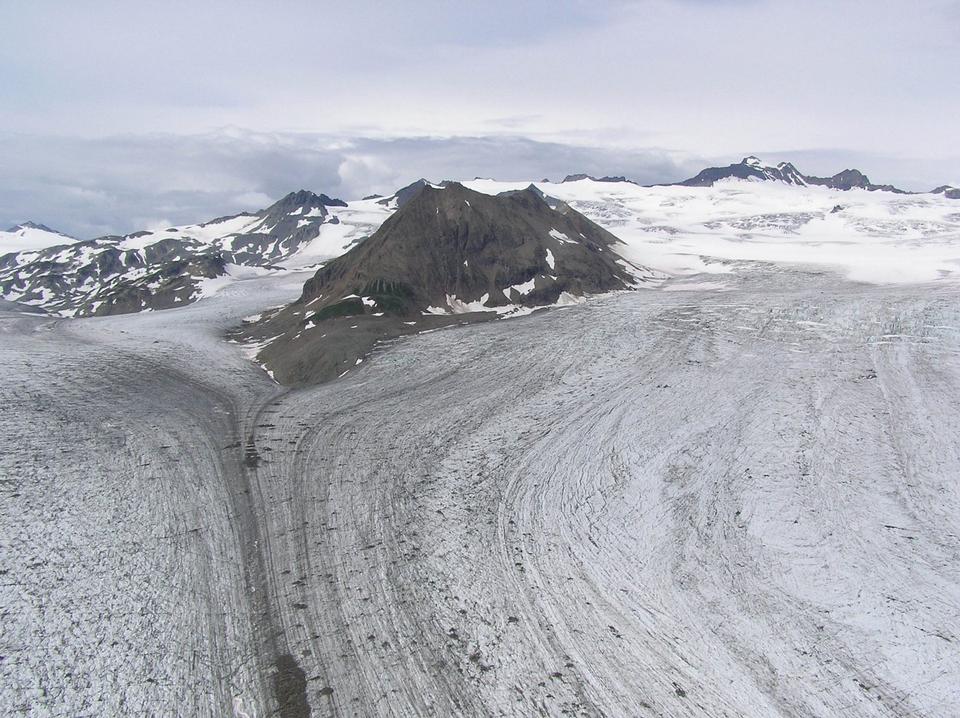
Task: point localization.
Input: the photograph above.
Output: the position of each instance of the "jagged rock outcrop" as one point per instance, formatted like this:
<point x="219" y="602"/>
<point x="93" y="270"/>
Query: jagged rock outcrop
<point x="159" y="269"/>
<point x="852" y="179"/>
<point x="751" y="168"/>
<point x="605" y="178"/>
<point x="31" y="236"/>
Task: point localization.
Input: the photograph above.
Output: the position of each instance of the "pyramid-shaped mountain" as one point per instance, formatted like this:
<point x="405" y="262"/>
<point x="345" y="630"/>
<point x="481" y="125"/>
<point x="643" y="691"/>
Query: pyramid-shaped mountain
<point x="453" y="247"/>
<point x="447" y="256"/>
<point x="151" y="270"/>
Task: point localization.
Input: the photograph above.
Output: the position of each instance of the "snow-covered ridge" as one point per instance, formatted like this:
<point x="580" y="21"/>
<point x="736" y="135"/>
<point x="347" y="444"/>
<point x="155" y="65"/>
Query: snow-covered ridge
<point x="175" y="266"/>
<point x="755" y="170"/>
<point x="31" y="236"/>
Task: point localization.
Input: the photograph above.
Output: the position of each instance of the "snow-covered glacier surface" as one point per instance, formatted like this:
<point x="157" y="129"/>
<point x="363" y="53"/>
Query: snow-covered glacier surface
<point x="877" y="237"/>
<point x="741" y="499"/>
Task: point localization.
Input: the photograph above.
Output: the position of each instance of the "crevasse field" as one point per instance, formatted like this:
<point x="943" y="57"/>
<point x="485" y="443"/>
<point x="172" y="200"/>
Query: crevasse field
<point x="734" y="494"/>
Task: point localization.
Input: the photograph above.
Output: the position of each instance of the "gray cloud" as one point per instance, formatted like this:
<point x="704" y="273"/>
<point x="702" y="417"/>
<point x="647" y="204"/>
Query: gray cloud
<point x="92" y="186"/>
<point x="119" y="184"/>
<point x="111" y="107"/>
<point x="702" y="76"/>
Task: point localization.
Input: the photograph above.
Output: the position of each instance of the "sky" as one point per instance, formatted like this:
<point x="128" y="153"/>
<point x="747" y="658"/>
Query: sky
<point x="119" y="116"/>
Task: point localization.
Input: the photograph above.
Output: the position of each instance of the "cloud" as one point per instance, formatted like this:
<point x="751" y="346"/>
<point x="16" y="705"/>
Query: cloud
<point x="119" y="184"/>
<point x="112" y="109"/>
<point x="357" y="171"/>
<point x="701" y="76"/>
<point x="95" y="186"/>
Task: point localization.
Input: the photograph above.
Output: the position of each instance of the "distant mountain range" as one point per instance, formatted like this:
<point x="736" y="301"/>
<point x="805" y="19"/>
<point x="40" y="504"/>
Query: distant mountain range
<point x="751" y="168"/>
<point x="155" y="269"/>
<point x="948" y="191"/>
<point x="46" y="269"/>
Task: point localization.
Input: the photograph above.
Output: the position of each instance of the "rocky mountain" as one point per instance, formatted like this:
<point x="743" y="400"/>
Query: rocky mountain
<point x="581" y="176"/>
<point x="448" y="255"/>
<point x="48" y="270"/>
<point x="751" y="168"/>
<point x="852" y="179"/>
<point x="947" y="191"/>
<point x="405" y="194"/>
<point x="160" y="269"/>
<point x="31" y="236"/>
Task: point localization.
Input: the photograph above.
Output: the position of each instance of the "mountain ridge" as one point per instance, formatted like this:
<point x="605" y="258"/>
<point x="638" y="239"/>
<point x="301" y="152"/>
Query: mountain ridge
<point x="751" y="168"/>
<point x="161" y="269"/>
<point x="448" y="255"/>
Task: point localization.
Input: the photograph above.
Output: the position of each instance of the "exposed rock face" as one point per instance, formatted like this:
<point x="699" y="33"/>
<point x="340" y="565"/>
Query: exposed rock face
<point x="89" y="279"/>
<point x="850" y="179"/>
<point x="748" y="168"/>
<point x="31" y="236"/>
<point x="448" y="255"/>
<point x="455" y="242"/>
<point x="405" y="194"/>
<point x="162" y="269"/>
<point x="751" y="168"/>
<point x="36" y="225"/>
<point x="948" y="191"/>
<point x="283" y="228"/>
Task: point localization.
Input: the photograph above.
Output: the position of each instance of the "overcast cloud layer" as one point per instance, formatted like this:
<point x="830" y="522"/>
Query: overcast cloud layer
<point x="114" y="112"/>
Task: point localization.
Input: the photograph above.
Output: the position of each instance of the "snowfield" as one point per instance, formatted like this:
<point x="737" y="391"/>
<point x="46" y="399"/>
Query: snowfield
<point x="876" y="237"/>
<point x="739" y="499"/>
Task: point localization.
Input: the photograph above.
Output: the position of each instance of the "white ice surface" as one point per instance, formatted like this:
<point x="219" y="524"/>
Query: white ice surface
<point x="877" y="237"/>
<point x="208" y="233"/>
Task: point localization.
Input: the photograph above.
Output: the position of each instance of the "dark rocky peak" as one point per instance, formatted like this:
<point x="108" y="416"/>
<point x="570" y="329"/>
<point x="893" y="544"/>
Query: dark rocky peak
<point x="709" y="176"/>
<point x="605" y="178"/>
<point x="748" y="168"/>
<point x="302" y="200"/>
<point x="296" y="205"/>
<point x="791" y="174"/>
<point x="447" y="256"/>
<point x="752" y="168"/>
<point x="405" y="194"/>
<point x="948" y="191"/>
<point x="848" y="179"/>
